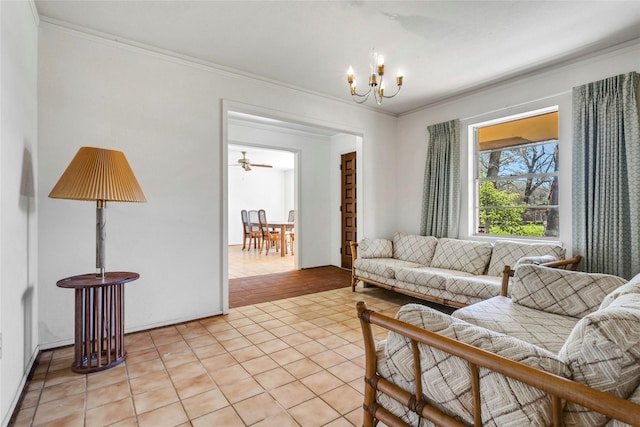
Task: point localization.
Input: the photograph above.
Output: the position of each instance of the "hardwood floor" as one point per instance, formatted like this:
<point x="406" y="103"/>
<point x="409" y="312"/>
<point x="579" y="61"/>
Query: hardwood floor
<point x="256" y="278"/>
<point x="253" y="290"/>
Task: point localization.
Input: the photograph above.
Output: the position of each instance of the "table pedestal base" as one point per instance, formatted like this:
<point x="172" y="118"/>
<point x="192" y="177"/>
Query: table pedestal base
<point x="99" y="320"/>
<point x="99" y="328"/>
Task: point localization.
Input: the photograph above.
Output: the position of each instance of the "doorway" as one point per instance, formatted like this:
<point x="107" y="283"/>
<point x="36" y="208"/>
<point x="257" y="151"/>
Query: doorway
<point x="317" y="151"/>
<point x="258" y="178"/>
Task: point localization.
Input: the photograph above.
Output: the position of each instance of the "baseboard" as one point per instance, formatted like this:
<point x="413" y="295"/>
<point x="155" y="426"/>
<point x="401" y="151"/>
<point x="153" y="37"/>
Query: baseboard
<point x="12" y="413"/>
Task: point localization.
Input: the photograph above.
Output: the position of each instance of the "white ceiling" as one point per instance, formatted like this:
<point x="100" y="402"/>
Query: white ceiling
<point x="443" y="48"/>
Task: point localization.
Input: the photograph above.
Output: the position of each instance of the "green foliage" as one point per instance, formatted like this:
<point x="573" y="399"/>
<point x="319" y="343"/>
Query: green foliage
<point x="504" y="221"/>
<point x="523" y="230"/>
<point x="508" y="220"/>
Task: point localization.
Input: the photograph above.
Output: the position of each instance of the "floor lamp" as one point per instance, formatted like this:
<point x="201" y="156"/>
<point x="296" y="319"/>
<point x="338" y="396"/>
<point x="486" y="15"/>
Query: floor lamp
<point x="100" y="175"/>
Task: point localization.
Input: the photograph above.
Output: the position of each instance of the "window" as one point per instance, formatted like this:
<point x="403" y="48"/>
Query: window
<point x="516" y="176"/>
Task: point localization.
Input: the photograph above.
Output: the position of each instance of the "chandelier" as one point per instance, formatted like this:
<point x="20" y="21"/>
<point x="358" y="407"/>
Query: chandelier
<point x="376" y="85"/>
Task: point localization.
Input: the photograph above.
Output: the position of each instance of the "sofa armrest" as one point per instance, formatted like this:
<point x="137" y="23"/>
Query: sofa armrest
<point x="564" y="264"/>
<point x="354" y="256"/>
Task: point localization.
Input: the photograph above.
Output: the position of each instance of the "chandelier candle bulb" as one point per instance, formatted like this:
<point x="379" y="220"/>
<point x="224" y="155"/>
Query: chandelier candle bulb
<point x="380" y="65"/>
<point x="372" y="80"/>
<point x="399" y="79"/>
<point x="350" y="75"/>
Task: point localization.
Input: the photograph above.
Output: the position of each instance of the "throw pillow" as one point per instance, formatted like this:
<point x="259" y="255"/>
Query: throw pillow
<point x="603" y="352"/>
<point x="414" y="248"/>
<point x="506" y="252"/>
<point x="462" y="255"/>
<point x="375" y="248"/>
<point x="564" y="292"/>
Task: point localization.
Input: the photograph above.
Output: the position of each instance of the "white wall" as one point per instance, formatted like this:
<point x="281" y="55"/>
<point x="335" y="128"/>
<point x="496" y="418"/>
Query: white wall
<point x="18" y="207"/>
<point x="544" y="89"/>
<point x="166" y="114"/>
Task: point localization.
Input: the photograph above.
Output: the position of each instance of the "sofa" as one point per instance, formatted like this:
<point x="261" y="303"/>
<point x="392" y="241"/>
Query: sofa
<point x="446" y="271"/>
<point x="563" y="349"/>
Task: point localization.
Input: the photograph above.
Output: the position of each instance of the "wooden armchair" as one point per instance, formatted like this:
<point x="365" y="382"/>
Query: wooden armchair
<point x="420" y="404"/>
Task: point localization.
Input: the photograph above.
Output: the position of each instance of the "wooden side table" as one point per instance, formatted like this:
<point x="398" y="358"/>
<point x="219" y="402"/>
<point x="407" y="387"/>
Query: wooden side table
<point x="99" y="319"/>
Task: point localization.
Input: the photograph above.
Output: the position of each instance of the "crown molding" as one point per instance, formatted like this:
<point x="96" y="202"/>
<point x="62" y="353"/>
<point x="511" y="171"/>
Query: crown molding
<point x="189" y="61"/>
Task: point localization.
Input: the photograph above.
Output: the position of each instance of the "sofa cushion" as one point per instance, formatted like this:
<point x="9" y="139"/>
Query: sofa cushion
<point x="631" y="287"/>
<point x="375" y="248"/>
<point x="564" y="292"/>
<point x="446" y="379"/>
<point x="414" y="248"/>
<point x="426" y="276"/>
<point x="385" y="267"/>
<point x="506" y="252"/>
<point x="501" y="314"/>
<point x="477" y="286"/>
<point x="462" y="255"/>
<point x="603" y="352"/>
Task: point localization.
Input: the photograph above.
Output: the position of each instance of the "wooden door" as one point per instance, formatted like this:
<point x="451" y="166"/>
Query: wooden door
<point x="348" y="206"/>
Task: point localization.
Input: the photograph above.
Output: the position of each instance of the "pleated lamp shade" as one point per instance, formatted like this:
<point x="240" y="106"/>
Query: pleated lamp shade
<point x="98" y="174"/>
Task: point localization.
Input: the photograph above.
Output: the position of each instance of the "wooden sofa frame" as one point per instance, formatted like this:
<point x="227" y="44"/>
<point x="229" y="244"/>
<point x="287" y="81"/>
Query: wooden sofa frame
<point x="557" y="387"/>
<point x="569" y="264"/>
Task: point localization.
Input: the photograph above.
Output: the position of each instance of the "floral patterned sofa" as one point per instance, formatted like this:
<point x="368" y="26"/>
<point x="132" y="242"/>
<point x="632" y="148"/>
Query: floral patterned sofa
<point x="563" y="350"/>
<point x="447" y="271"/>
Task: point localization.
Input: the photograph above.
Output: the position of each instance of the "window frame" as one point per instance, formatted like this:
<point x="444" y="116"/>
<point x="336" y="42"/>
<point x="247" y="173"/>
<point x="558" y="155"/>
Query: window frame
<point x="474" y="211"/>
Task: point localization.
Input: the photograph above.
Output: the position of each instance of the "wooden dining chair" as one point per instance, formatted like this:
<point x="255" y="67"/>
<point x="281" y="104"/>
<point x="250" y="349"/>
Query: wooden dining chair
<point x="268" y="236"/>
<point x="254" y="225"/>
<point x="246" y="229"/>
<point x="290" y="233"/>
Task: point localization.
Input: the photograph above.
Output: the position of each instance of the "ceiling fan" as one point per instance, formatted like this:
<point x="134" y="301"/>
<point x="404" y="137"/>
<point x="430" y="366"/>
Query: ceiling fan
<point x="246" y="163"/>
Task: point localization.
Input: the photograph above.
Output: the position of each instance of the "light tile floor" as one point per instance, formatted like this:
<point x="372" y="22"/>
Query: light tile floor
<point x="247" y="263"/>
<point x="292" y="362"/>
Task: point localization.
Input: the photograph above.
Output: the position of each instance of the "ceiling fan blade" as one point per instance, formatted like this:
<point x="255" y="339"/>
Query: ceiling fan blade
<point x="261" y="166"/>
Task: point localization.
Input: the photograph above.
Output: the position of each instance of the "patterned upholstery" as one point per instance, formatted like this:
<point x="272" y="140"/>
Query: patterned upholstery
<point x="508" y="253"/>
<point x="564" y="292"/>
<point x="446" y="380"/>
<point x="477" y="286"/>
<point x="429" y="277"/>
<point x="501" y="314"/>
<point x="375" y="248"/>
<point x="386" y="370"/>
<point x="632" y="287"/>
<point x="414" y="248"/>
<point x="462" y="255"/>
<point x="534" y="260"/>
<point x="385" y="267"/>
<point x="603" y="352"/>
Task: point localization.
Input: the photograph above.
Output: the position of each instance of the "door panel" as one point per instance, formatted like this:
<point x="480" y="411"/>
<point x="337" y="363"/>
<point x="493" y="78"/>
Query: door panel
<point x="348" y="206"/>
